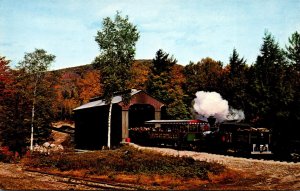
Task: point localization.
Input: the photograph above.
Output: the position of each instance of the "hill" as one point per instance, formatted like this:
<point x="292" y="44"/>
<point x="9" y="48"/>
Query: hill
<point x="77" y="85"/>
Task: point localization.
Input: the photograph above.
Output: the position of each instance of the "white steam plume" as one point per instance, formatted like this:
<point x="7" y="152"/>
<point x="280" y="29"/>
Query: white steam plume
<point x="212" y="104"/>
<point x="235" y="114"/>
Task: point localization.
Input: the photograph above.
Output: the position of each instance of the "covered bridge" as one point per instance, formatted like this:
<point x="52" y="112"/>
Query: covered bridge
<point x="91" y="119"/>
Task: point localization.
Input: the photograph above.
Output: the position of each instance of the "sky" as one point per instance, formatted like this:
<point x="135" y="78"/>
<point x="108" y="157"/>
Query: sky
<point x="189" y="30"/>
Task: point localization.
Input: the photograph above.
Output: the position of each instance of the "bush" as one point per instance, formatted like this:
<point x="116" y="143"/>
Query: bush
<point x="8" y="156"/>
<point x="127" y="160"/>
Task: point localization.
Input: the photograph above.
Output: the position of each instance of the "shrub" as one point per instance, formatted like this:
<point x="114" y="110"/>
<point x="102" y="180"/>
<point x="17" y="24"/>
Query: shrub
<point x="8" y="156"/>
<point x="128" y="160"/>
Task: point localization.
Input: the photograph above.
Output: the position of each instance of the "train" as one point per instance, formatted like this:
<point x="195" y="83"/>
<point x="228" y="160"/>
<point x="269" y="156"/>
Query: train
<point x="227" y="137"/>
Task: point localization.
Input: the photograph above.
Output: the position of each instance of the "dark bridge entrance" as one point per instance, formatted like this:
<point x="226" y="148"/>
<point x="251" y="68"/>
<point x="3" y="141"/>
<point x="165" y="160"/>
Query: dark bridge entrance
<point x="139" y="113"/>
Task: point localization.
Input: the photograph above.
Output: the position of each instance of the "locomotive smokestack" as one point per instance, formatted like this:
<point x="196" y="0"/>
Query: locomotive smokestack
<point x="211" y="121"/>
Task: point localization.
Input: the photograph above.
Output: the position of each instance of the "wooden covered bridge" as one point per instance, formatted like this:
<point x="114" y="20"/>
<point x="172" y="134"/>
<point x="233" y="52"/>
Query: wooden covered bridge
<point x="91" y="119"/>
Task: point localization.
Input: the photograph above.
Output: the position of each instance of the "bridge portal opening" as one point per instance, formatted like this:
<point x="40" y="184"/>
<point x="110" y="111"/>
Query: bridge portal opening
<point x="139" y="113"/>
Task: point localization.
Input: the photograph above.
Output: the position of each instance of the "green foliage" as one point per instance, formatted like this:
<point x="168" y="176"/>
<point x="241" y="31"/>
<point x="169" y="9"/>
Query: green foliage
<point x="162" y="63"/>
<point x="165" y="84"/>
<point x="127" y="160"/>
<point x="117" y="42"/>
<point x="272" y="92"/>
<point x="202" y="76"/>
<point x="36" y="62"/>
<point x="35" y="66"/>
<point x="44" y="114"/>
<point x="159" y="76"/>
<point x="293" y="50"/>
<point x="235" y="82"/>
<point x="268" y="91"/>
<point x="293" y="75"/>
<point x="237" y="64"/>
<point x="117" y="49"/>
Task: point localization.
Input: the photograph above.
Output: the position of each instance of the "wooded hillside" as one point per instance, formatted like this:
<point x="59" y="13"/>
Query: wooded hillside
<point x="267" y="90"/>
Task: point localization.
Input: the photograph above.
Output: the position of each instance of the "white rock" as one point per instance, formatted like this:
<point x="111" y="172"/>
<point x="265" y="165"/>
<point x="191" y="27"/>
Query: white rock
<point x="52" y="145"/>
<point x="46" y="144"/>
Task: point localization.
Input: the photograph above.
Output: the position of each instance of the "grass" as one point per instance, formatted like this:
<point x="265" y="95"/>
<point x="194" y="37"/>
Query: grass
<point x="130" y="165"/>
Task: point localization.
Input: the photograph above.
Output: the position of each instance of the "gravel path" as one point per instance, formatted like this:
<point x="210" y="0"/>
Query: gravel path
<point x="267" y="174"/>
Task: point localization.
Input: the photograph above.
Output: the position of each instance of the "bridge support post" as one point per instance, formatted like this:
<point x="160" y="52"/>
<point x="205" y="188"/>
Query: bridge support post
<point x="125" y="125"/>
<point x="157" y="116"/>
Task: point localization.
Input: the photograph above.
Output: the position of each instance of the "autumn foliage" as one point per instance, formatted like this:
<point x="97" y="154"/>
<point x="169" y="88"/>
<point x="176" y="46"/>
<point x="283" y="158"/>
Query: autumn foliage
<point x="74" y="87"/>
<point x="267" y="90"/>
<point x="5" y="76"/>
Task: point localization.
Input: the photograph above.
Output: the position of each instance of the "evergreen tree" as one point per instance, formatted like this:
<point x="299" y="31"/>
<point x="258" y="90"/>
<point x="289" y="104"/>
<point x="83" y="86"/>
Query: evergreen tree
<point x="236" y="82"/>
<point x="293" y="75"/>
<point x="160" y="75"/>
<point x="165" y="83"/>
<point x="293" y="50"/>
<point x="271" y="92"/>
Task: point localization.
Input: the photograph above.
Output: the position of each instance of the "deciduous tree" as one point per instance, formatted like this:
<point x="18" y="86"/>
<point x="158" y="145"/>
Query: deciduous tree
<point x="117" y="41"/>
<point x="5" y="75"/>
<point x="89" y="86"/>
<point x="6" y="79"/>
<point x="67" y="91"/>
<point x="140" y="71"/>
<point x="205" y="75"/>
<point x="35" y="65"/>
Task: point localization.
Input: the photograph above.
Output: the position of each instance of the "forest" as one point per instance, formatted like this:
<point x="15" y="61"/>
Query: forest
<point x="266" y="90"/>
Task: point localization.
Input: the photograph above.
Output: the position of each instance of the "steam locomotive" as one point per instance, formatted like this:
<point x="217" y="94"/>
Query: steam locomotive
<point x="200" y="135"/>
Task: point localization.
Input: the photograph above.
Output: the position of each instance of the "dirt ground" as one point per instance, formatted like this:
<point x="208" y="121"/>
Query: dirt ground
<point x="13" y="177"/>
<point x="252" y="174"/>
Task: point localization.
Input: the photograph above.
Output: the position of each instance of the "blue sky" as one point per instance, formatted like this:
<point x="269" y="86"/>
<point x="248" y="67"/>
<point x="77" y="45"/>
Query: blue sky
<point x="187" y="29"/>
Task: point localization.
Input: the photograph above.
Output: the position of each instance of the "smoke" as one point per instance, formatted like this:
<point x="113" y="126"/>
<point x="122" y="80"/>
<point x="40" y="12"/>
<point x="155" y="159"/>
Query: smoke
<point x="212" y="104"/>
<point x="235" y="114"/>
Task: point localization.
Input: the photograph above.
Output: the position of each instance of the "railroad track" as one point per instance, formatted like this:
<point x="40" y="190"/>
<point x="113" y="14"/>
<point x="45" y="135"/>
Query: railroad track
<point x="88" y="183"/>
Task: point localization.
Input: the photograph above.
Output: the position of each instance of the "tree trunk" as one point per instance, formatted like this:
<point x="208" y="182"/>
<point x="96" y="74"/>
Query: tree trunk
<point x="32" y="112"/>
<point x="32" y="119"/>
<point x="109" y="125"/>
